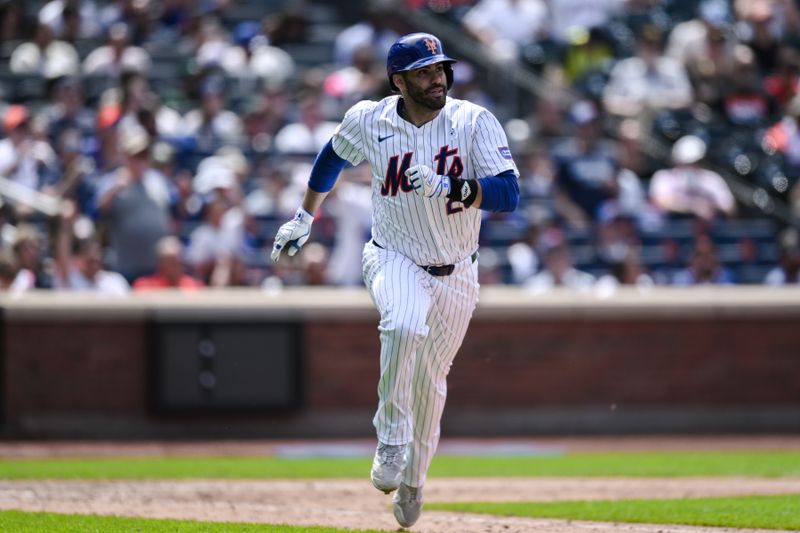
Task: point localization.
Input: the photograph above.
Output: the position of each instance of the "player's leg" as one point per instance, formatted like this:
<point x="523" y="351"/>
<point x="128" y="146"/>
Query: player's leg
<point x="454" y="299"/>
<point x="399" y="292"/>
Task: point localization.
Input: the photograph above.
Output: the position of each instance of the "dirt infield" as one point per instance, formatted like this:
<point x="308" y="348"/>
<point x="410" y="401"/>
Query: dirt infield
<point x="354" y="504"/>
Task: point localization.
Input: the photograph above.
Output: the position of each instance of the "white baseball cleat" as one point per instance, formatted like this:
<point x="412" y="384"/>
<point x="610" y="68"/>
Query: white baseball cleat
<point x="388" y="466"/>
<point x="407" y="504"/>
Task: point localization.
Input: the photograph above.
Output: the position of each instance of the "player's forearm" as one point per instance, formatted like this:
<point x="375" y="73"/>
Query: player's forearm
<point x="313" y="200"/>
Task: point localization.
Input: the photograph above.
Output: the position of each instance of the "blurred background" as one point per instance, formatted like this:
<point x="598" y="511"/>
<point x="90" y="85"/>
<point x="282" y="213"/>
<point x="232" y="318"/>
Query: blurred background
<point x="150" y="144"/>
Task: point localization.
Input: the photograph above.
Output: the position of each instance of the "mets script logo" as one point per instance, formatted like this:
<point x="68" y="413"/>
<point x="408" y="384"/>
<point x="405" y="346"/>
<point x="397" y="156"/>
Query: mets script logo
<point x="430" y="44"/>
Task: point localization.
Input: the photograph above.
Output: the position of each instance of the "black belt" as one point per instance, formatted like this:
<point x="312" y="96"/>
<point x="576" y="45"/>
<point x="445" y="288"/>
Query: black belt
<point x="435" y="270"/>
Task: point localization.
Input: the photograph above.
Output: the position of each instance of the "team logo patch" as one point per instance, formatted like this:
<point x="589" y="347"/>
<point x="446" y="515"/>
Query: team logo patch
<point x="505" y="152"/>
<point x="430" y="44"/>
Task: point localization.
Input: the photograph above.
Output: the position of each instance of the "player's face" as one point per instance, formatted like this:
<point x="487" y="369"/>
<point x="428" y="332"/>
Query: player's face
<point x="427" y="86"/>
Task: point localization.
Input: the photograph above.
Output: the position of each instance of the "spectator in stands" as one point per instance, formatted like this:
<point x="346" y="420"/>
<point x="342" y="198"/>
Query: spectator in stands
<point x="8" y="270"/>
<point x="79" y="262"/>
<point x="77" y="176"/>
<point x="171" y="20"/>
<point x="787" y="271"/>
<point x="628" y="270"/>
<point x="363" y="79"/>
<point x="586" y="51"/>
<point x="219" y="236"/>
<point x="118" y="56"/>
<point x="711" y="26"/>
<point x="763" y="25"/>
<point x="31" y="271"/>
<point x="169" y="272"/>
<point x="15" y="22"/>
<point x="617" y="235"/>
<point x="467" y="85"/>
<point x="308" y="134"/>
<point x="212" y="124"/>
<point x="68" y="110"/>
<point x="264" y="116"/>
<point x="568" y="16"/>
<point x="648" y="81"/>
<point x="374" y="31"/>
<point x="350" y="206"/>
<point x="253" y="55"/>
<point x="271" y="180"/>
<point x="107" y="152"/>
<point x="558" y="271"/>
<point x="24" y="158"/>
<point x="136" y="15"/>
<point x="45" y="56"/>
<point x="784" y="136"/>
<point x="782" y="84"/>
<point x="537" y="186"/>
<point x="290" y="25"/>
<point x="587" y="170"/>
<point x="313" y="266"/>
<point x="71" y="19"/>
<point x="705" y="46"/>
<point x="143" y="107"/>
<point x="134" y="203"/>
<point x="744" y="100"/>
<point x="704" y="267"/>
<point x="505" y="26"/>
<point x="688" y="189"/>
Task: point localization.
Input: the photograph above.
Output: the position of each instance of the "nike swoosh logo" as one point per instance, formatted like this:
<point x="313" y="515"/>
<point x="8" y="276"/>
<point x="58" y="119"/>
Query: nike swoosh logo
<point x="381" y="139"/>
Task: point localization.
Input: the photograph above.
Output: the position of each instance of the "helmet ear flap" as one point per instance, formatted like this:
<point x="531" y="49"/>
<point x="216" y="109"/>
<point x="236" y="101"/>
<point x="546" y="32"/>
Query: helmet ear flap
<point x="448" y="72"/>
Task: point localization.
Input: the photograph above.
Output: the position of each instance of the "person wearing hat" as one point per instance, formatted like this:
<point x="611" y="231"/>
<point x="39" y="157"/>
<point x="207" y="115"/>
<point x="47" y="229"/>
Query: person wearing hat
<point x="134" y="203"/>
<point x="688" y="189"/>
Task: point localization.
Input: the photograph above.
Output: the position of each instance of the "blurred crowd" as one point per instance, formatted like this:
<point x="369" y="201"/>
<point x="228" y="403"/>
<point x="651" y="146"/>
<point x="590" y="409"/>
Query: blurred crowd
<point x="148" y="145"/>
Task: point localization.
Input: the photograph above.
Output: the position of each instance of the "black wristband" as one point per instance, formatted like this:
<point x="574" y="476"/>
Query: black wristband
<point x="464" y="191"/>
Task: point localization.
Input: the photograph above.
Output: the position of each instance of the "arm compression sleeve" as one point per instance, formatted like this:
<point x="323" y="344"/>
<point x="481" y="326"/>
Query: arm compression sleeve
<point x="326" y="169"/>
<point x="500" y="193"/>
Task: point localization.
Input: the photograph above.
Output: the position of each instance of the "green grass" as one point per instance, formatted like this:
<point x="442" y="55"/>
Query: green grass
<point x="768" y="512"/>
<point x="20" y="522"/>
<point x="666" y="464"/>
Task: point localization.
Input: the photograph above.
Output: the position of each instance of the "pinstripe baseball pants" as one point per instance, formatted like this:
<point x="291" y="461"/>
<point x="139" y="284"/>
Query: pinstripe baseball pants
<point x="423" y="320"/>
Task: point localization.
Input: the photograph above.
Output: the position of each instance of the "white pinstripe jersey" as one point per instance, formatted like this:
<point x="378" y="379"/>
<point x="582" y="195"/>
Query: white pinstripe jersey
<point x="464" y="140"/>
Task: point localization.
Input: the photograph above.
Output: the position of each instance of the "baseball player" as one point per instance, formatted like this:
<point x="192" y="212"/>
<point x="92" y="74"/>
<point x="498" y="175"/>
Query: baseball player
<point x="435" y="161"/>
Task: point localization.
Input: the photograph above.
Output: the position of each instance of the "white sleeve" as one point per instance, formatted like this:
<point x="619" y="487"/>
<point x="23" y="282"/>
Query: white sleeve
<point x="490" y="154"/>
<point x="347" y="139"/>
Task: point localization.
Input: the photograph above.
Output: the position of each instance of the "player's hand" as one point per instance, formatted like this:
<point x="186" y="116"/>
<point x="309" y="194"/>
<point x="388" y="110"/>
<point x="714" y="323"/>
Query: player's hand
<point x="426" y="183"/>
<point x="292" y="235"/>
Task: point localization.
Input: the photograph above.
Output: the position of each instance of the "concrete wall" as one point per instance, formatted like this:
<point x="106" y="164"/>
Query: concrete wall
<point x="697" y="360"/>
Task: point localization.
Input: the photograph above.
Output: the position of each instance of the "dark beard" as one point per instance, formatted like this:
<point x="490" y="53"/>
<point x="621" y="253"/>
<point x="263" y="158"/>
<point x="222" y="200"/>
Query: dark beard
<point x="420" y="97"/>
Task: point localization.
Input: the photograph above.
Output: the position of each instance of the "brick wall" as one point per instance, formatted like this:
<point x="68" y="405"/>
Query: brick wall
<point x="61" y="372"/>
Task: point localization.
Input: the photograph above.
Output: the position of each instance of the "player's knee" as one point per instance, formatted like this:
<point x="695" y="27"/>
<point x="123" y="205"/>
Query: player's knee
<point x="404" y="329"/>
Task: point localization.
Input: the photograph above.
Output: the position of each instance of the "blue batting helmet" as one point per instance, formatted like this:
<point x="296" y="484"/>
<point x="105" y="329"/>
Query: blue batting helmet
<point x="417" y="50"/>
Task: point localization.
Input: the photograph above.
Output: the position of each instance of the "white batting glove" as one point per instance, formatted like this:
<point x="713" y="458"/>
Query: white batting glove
<point x="426" y="183"/>
<point x="292" y="235"/>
